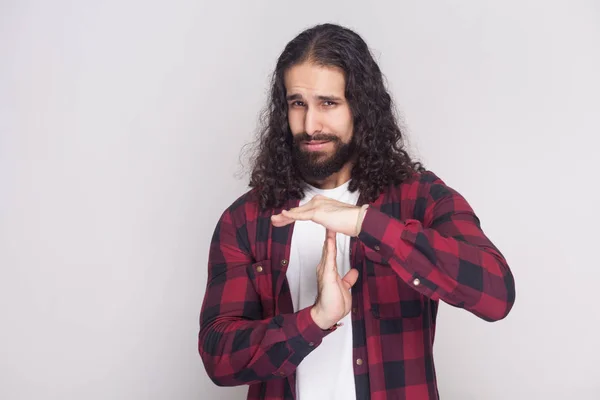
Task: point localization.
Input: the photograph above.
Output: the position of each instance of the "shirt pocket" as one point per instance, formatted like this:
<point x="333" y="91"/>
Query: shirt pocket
<point x="261" y="275"/>
<point x="390" y="297"/>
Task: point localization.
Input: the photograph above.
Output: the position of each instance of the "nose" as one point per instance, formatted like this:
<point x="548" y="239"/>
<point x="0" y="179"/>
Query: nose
<point x="312" y="122"/>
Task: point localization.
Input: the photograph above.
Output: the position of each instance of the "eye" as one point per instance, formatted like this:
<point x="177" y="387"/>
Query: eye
<point x="298" y="103"/>
<point x="329" y="103"/>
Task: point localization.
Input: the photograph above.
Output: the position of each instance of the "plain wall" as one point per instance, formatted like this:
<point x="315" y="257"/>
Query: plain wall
<point x="121" y="125"/>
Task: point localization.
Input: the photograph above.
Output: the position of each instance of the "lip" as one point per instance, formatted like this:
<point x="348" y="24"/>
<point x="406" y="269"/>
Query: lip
<point x="315" y="145"/>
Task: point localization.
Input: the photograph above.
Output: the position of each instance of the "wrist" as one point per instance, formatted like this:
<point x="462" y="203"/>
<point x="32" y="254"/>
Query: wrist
<point x="317" y="317"/>
<point x="362" y="212"/>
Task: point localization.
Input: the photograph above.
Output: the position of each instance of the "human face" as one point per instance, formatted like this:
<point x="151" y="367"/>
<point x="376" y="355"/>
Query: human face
<point x="319" y="118"/>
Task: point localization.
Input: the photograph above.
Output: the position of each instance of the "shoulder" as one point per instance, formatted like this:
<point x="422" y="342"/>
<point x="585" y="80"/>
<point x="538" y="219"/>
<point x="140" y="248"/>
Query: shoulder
<point x="423" y="184"/>
<point x="421" y="192"/>
<point x="232" y="225"/>
<point x="245" y="207"/>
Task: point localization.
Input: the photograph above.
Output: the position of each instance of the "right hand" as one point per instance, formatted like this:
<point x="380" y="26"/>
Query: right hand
<point x="334" y="299"/>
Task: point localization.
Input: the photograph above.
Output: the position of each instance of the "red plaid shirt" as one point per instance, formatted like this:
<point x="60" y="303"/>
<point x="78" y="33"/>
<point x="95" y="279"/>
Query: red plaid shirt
<point x="420" y="242"/>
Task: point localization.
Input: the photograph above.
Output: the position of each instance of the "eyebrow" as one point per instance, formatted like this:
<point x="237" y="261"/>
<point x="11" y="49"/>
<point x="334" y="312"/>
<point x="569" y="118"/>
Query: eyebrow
<point x="298" y="96"/>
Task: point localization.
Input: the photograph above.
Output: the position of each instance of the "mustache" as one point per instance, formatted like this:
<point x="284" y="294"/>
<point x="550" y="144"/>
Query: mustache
<point x="305" y="137"/>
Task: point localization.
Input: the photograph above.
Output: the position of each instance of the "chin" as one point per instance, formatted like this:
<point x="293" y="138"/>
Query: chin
<point x="318" y="156"/>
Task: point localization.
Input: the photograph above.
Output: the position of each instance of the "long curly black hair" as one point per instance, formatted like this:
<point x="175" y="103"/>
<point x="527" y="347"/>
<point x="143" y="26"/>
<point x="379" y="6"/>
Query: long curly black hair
<point x="381" y="158"/>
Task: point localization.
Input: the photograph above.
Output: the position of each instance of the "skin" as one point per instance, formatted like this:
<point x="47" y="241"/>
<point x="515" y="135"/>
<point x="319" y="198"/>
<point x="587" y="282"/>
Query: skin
<point x="317" y="105"/>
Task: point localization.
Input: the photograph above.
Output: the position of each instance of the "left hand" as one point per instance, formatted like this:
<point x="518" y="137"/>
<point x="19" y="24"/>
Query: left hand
<point x="332" y="214"/>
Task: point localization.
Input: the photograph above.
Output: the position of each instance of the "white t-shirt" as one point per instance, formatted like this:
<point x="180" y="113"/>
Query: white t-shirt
<point x="327" y="372"/>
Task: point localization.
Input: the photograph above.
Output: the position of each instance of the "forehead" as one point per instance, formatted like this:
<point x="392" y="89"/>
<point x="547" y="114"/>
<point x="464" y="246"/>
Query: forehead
<point x="311" y="79"/>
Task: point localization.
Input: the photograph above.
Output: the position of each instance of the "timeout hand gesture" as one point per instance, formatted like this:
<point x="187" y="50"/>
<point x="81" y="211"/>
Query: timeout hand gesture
<point x="334" y="299"/>
<point x="332" y="214"/>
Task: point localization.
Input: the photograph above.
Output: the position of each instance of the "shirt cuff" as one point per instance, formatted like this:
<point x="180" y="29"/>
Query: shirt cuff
<point x="308" y="328"/>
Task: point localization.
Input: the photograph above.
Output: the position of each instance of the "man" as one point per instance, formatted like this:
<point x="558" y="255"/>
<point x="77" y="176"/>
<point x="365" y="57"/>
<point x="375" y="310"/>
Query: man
<point x="324" y="279"/>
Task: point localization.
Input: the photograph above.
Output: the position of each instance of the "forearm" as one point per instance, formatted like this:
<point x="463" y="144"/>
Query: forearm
<point x="237" y="351"/>
<point x="465" y="271"/>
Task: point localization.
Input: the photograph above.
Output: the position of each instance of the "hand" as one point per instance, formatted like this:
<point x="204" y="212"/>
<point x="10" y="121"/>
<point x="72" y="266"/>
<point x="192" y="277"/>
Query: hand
<point x="332" y="214"/>
<point x="334" y="299"/>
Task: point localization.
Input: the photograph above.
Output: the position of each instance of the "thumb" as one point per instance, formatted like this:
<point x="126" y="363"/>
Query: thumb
<point x="350" y="278"/>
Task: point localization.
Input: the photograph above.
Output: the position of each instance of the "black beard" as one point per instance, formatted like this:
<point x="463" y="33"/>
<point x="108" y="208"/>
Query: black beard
<point x="312" y="165"/>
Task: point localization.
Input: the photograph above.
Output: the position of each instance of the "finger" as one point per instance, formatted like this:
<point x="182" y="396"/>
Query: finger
<point x="330" y="234"/>
<point x="299" y="215"/>
<point x="279" y="216"/>
<point x="323" y="260"/>
<point x="304" y="207"/>
<point x="350" y="278"/>
<point x="280" y="220"/>
<point x="330" y="239"/>
<point x="324" y="252"/>
<point x="331" y="253"/>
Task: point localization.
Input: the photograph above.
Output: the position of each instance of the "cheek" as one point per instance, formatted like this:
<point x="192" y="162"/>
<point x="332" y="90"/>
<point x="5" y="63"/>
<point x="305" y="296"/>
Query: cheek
<point x="344" y="125"/>
<point x="295" y="120"/>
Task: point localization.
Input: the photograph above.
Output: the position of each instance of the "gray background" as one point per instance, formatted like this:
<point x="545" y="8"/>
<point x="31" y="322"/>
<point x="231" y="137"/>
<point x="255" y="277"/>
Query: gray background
<point x="121" y="123"/>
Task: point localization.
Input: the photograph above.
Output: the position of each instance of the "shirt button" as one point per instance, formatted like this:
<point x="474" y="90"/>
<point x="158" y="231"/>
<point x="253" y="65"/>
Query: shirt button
<point x="416" y="282"/>
<point x="359" y="361"/>
<point x="284" y="262"/>
<point x="259" y="269"/>
<point x="311" y="344"/>
<point x="354" y="310"/>
<point x="282" y="373"/>
<point x="377" y="248"/>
